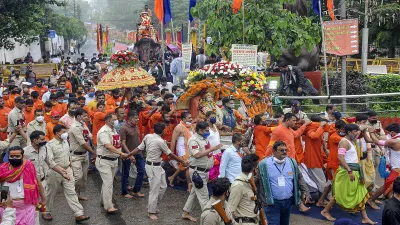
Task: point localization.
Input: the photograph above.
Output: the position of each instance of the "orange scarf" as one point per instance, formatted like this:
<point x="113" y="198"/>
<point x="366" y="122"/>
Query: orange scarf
<point x="187" y="136"/>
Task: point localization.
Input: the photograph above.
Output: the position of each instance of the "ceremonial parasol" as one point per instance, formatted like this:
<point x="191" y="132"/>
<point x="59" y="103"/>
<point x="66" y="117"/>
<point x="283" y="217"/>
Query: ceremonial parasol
<point x="126" y="75"/>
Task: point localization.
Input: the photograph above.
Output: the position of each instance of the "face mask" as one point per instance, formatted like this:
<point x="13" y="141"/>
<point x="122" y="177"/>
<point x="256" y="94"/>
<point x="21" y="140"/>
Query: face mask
<point x="178" y="94"/>
<point x="40" y="119"/>
<point x="61" y="89"/>
<point x="373" y="121"/>
<point x="39" y="85"/>
<point x="209" y="99"/>
<point x="67" y="95"/>
<point x="60" y="101"/>
<point x="213" y="120"/>
<point x="231" y="106"/>
<point x="16" y="75"/>
<point x="79" y="92"/>
<point x="167" y="121"/>
<point x="352" y="137"/>
<point x="116" y="123"/>
<point x="342" y="134"/>
<point x="91" y="94"/>
<point x="188" y="123"/>
<point x="71" y="112"/>
<point x="43" y="143"/>
<point x="279" y="161"/>
<point x="15" y="162"/>
<point x="205" y="135"/>
<point x="64" y="136"/>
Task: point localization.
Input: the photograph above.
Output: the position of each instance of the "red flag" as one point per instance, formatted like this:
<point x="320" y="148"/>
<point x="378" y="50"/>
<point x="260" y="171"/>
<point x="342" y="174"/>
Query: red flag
<point x="159" y="10"/>
<point x="236" y="5"/>
<point x="329" y="5"/>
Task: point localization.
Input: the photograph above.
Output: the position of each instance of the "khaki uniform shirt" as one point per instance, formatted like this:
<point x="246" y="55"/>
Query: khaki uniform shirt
<point x="300" y="115"/>
<point x="57" y="153"/>
<point x="78" y="135"/>
<point x="211" y="217"/>
<point x="107" y="135"/>
<point x="196" y="144"/>
<point x="4" y="145"/>
<point x="34" y="125"/>
<point x="240" y="198"/>
<point x="16" y="116"/>
<point x="38" y="159"/>
<point x="154" y="146"/>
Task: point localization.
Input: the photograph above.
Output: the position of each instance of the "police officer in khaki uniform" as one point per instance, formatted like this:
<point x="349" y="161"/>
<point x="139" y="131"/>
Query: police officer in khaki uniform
<point x="61" y="174"/>
<point x="37" y="124"/>
<point x="108" y="151"/>
<point x="210" y="216"/>
<point x="78" y="139"/>
<point x="200" y="161"/>
<point x="16" y="118"/>
<point x="240" y="199"/>
<point x="155" y="146"/>
<point x="36" y="153"/>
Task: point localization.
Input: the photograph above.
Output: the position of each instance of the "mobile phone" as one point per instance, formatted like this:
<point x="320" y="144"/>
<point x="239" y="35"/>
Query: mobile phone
<point x="4" y="193"/>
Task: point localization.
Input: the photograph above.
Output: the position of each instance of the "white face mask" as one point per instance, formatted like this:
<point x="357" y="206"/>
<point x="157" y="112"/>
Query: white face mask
<point x="40" y="119"/>
<point x="188" y="123"/>
<point x="64" y="136"/>
<point x="279" y="161"/>
<point x="116" y="123"/>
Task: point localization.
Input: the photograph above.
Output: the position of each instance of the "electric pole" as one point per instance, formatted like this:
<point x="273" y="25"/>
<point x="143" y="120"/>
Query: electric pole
<point x="364" y="54"/>
<point x="343" y="77"/>
<point x="74" y="8"/>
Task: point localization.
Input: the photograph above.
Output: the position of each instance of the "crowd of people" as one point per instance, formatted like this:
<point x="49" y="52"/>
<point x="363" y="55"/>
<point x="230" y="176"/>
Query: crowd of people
<point x="54" y="130"/>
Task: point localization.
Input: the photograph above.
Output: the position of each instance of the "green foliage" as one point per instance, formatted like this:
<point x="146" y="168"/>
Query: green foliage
<point x="386" y="84"/>
<point x="267" y="25"/>
<point x="68" y="27"/>
<point x="22" y="22"/>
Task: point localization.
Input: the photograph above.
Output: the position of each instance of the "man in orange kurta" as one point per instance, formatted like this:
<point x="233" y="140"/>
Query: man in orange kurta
<point x="55" y="119"/>
<point x="168" y="131"/>
<point x="314" y="155"/>
<point x="333" y="143"/>
<point x="98" y="120"/>
<point x="40" y="88"/>
<point x="114" y="101"/>
<point x="29" y="111"/>
<point x="262" y="136"/>
<point x="4" y="111"/>
<point x="37" y="102"/>
<point x="157" y="116"/>
<point x="284" y="132"/>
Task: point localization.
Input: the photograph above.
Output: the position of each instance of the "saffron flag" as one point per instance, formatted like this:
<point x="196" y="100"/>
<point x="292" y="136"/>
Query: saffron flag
<point x="159" y="10"/>
<point x="192" y="3"/>
<point x="329" y="5"/>
<point x="167" y="11"/>
<point x="98" y="37"/>
<point x="236" y="5"/>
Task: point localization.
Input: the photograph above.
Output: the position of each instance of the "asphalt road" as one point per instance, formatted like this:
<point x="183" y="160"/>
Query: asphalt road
<point x="133" y="211"/>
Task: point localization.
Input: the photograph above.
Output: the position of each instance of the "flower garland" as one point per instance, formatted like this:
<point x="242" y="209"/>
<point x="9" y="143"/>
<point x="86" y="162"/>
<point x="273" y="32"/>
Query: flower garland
<point x="124" y="58"/>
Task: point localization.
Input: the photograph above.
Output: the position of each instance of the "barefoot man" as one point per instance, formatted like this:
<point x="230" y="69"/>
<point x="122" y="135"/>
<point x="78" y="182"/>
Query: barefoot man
<point x="349" y="190"/>
<point x="180" y="137"/>
<point x="392" y="146"/>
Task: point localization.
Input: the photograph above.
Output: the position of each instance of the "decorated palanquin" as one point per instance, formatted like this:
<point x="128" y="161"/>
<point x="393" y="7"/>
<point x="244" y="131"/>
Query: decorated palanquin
<point x="126" y="74"/>
<point x="146" y="29"/>
<point x="213" y="82"/>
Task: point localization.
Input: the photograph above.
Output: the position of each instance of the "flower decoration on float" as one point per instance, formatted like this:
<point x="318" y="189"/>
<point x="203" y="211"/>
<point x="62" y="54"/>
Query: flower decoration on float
<point x="125" y="58"/>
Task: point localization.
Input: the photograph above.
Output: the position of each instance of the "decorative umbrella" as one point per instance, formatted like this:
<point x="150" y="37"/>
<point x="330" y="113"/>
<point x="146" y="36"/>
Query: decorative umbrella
<point x="126" y="75"/>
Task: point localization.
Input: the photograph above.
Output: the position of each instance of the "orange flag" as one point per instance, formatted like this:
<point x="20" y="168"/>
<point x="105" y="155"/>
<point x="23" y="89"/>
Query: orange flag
<point x="329" y="4"/>
<point x="236" y="5"/>
<point x="159" y="10"/>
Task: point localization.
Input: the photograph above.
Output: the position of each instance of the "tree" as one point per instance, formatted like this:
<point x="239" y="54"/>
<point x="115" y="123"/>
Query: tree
<point x="383" y="21"/>
<point x="68" y="27"/>
<point x="267" y="25"/>
<point x="23" y="21"/>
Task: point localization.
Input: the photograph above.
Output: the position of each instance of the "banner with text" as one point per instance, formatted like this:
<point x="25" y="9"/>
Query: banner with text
<point x="186" y="56"/>
<point x="245" y="55"/>
<point x="341" y="37"/>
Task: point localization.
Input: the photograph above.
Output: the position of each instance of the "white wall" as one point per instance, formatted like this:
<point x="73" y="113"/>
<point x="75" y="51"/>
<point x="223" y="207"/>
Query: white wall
<point x="20" y="51"/>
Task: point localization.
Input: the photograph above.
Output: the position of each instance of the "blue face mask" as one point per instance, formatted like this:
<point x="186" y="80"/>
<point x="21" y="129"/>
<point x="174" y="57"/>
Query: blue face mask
<point x="91" y="94"/>
<point x="213" y="120"/>
<point x="205" y="135"/>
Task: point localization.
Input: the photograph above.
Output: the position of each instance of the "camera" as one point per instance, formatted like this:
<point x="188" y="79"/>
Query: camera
<point x="4" y="193"/>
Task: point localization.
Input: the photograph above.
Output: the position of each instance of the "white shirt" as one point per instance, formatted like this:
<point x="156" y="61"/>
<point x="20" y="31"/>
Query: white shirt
<point x="9" y="216"/>
<point x="46" y="96"/>
<point x="55" y="60"/>
<point x="214" y="139"/>
<point x="168" y="86"/>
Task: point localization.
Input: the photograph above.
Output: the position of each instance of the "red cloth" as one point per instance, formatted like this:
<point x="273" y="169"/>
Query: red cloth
<point x="313" y="157"/>
<point x="159" y="10"/>
<point x="27" y="169"/>
<point x="236" y="5"/>
<point x="287" y="135"/>
<point x="389" y="181"/>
